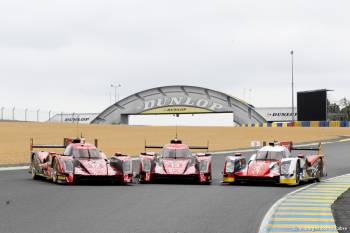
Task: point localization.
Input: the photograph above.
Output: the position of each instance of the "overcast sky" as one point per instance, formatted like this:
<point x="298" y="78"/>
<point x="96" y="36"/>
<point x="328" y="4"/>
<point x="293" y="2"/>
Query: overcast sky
<point x="63" y="55"/>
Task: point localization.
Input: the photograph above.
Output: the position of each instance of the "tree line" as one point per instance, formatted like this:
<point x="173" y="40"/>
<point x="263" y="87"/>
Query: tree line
<point x="339" y="111"/>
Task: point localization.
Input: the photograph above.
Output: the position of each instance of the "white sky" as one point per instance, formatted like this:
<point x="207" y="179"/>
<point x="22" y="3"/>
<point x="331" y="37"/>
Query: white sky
<point x="63" y="55"/>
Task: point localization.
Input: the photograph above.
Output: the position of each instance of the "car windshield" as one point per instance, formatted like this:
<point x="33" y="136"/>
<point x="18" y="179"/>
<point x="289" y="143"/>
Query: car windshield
<point x="269" y="155"/>
<point x="86" y="153"/>
<point x="175" y="153"/>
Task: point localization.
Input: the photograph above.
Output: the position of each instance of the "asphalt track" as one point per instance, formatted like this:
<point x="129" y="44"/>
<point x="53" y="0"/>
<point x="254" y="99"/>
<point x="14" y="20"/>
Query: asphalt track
<point x="28" y="206"/>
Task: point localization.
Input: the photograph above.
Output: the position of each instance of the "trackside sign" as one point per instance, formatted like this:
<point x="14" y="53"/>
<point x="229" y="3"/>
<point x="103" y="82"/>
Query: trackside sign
<point x="276" y="114"/>
<point x="181" y="104"/>
<point x="73" y="118"/>
<point x="178" y="99"/>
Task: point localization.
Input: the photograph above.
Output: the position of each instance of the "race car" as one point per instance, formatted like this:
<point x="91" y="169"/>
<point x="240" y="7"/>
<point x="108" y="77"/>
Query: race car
<point x="276" y="163"/>
<point x="80" y="161"/>
<point x="175" y="162"/>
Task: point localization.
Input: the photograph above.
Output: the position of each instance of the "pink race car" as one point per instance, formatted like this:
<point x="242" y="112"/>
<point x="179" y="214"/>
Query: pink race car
<point x="175" y="162"/>
<point x="80" y="161"/>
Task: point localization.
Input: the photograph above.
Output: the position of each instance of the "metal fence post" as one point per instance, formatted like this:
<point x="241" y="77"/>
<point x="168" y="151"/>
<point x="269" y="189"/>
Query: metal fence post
<point x="37" y="115"/>
<point x="50" y="116"/>
<point x="13" y="113"/>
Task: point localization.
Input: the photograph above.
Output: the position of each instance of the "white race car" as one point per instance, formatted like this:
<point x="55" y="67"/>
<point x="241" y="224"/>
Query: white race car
<point x="277" y="164"/>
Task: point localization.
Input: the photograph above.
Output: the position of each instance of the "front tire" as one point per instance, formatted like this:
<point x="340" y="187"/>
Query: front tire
<point x="54" y="175"/>
<point x="34" y="174"/>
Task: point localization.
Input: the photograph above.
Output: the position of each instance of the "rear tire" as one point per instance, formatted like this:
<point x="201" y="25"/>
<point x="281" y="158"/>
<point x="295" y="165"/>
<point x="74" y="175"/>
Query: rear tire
<point x="297" y="174"/>
<point x="319" y="172"/>
<point x="141" y="179"/>
<point x="144" y="182"/>
<point x="209" y="180"/>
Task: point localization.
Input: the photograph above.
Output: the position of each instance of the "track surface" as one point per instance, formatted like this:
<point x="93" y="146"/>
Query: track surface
<point x="28" y="206"/>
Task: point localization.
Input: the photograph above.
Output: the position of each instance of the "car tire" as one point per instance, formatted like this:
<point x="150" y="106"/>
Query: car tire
<point x="319" y="172"/>
<point x="33" y="172"/>
<point x="209" y="180"/>
<point x="297" y="174"/>
<point x="54" y="172"/>
<point x="141" y="179"/>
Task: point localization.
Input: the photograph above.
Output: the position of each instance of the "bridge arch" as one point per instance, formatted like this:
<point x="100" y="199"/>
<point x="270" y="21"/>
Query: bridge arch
<point x="178" y="100"/>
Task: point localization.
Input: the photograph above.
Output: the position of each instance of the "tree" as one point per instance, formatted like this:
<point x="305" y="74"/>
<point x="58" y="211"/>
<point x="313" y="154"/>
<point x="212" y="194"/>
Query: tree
<point x="333" y="111"/>
<point x="333" y="108"/>
<point x="345" y="108"/>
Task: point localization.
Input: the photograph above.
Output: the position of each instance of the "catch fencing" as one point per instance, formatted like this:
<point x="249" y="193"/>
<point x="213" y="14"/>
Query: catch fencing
<point x="39" y="115"/>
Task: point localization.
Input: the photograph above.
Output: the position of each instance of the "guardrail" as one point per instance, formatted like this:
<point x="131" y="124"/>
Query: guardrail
<point x="302" y="124"/>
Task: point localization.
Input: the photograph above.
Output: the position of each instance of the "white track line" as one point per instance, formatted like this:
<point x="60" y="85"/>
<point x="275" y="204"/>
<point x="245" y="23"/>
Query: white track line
<point x="14" y="168"/>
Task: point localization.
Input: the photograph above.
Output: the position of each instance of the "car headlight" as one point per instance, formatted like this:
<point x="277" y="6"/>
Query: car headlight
<point x="127" y="166"/>
<point x="203" y="166"/>
<point x="146" y="165"/>
<point x="275" y="168"/>
<point x="230" y="167"/>
<point x="285" y="168"/>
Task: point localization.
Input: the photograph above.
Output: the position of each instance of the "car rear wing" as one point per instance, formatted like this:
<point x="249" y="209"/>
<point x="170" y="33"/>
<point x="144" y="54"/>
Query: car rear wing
<point x="317" y="148"/>
<point x="42" y="146"/>
<point x="66" y="142"/>
<point x="179" y="142"/>
<point x="153" y="147"/>
<point x="199" y="148"/>
<point x="291" y="147"/>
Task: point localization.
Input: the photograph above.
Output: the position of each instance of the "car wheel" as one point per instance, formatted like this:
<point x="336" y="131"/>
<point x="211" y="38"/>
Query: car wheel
<point x="54" y="172"/>
<point x="209" y="180"/>
<point x="33" y="172"/>
<point x="319" y="172"/>
<point x="297" y="174"/>
<point x="141" y="179"/>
